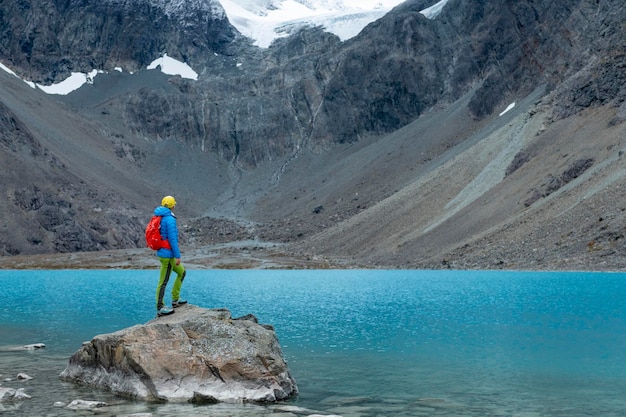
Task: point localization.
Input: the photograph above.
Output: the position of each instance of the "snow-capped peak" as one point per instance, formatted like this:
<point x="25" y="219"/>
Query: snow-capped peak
<point x="261" y="20"/>
<point x="266" y="20"/>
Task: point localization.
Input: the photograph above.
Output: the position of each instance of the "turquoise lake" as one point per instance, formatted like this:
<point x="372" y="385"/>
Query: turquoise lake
<point x="358" y="342"/>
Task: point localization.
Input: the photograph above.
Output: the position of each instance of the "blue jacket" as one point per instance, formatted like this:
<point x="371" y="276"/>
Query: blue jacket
<point x="169" y="231"/>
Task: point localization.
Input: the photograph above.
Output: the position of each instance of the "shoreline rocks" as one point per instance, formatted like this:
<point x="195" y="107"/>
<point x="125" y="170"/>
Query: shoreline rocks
<point x="85" y="405"/>
<point x="12" y="395"/>
<point x="33" y="346"/>
<point x="195" y="355"/>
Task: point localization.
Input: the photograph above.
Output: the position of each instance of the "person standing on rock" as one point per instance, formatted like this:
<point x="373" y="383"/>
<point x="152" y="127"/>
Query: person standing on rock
<point x="169" y="257"/>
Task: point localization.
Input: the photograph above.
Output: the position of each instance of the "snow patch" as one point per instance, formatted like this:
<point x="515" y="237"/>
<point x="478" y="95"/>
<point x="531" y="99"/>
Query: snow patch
<point x="9" y="71"/>
<point x="73" y="82"/>
<point x="509" y="107"/>
<point x="434" y="10"/>
<point x="265" y="21"/>
<point x="170" y="66"/>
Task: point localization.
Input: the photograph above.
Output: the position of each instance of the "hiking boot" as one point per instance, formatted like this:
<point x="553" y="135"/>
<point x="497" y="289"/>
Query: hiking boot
<point x="178" y="303"/>
<point x="164" y="311"/>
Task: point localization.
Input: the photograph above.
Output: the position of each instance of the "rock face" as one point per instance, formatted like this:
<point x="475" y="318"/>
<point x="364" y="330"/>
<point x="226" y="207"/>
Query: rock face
<point x="310" y="90"/>
<point x="104" y="42"/>
<point x="196" y="355"/>
<point x="255" y="142"/>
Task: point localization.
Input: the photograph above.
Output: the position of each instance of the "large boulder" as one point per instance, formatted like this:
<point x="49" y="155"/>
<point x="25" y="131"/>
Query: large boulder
<point x="196" y="355"/>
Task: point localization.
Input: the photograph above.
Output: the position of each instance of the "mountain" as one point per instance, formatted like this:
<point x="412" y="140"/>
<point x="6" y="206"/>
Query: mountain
<point x="469" y="135"/>
<point x="265" y="21"/>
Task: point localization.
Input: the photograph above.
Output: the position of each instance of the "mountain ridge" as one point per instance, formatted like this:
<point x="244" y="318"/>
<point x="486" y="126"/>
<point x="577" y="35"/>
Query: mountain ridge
<point x="386" y="150"/>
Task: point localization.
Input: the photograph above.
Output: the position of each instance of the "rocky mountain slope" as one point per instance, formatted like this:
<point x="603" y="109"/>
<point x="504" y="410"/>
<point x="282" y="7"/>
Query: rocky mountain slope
<point x="388" y="150"/>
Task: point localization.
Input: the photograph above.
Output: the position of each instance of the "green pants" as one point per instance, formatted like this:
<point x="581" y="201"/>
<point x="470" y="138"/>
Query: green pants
<point x="167" y="266"/>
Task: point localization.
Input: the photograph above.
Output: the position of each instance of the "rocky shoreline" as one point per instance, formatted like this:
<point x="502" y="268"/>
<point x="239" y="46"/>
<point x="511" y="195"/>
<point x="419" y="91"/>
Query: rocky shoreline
<point x="486" y="255"/>
<point x="240" y="255"/>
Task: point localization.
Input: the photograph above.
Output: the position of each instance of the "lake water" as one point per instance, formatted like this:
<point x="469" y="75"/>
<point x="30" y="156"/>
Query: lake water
<point x="358" y="343"/>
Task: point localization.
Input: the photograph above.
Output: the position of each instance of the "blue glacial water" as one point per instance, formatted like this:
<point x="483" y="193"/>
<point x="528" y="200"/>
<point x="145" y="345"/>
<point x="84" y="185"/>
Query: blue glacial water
<point x="359" y="343"/>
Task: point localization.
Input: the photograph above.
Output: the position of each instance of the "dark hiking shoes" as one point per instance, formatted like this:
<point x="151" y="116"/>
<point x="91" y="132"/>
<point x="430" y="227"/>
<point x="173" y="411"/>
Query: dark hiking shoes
<point x="178" y="303"/>
<point x="164" y="311"/>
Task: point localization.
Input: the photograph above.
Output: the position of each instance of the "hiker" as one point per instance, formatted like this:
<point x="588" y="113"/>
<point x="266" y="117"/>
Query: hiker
<point x="169" y="257"/>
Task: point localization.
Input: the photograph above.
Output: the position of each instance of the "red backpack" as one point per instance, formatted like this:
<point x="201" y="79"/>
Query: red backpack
<point x="154" y="240"/>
